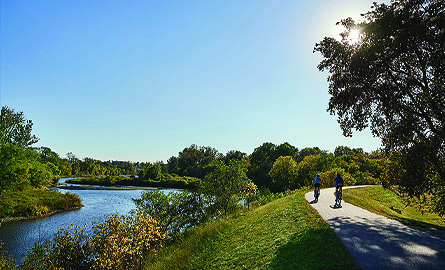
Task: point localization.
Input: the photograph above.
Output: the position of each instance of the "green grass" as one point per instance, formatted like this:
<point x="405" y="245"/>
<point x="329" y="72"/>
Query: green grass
<point x="35" y="202"/>
<point x="284" y="234"/>
<point x="388" y="203"/>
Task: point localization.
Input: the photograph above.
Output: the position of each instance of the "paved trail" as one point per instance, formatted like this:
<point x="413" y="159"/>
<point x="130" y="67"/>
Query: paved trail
<point x="377" y="242"/>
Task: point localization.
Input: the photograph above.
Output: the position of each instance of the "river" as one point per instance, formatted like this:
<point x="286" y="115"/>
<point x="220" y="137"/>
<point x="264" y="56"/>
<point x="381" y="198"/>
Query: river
<point x="20" y="236"/>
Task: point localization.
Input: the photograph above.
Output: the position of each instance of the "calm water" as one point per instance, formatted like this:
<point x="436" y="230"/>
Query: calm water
<point x="18" y="237"/>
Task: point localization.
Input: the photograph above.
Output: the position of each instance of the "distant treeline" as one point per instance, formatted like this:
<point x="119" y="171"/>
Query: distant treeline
<point x="270" y="166"/>
<point x="275" y="167"/>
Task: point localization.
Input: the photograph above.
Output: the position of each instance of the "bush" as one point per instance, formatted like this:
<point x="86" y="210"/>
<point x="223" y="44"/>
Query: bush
<point x="226" y="183"/>
<point x="122" y="241"/>
<point x="175" y="211"/>
<point x="6" y="261"/>
<point x="70" y="249"/>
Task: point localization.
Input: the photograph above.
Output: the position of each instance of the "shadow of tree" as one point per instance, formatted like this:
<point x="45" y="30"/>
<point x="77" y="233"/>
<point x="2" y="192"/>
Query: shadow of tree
<point x="379" y="244"/>
<point x="313" y="249"/>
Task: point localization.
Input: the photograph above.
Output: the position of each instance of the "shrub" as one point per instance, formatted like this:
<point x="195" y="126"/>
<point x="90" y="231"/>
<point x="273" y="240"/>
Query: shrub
<point x="122" y="241"/>
<point x="249" y="192"/>
<point x="6" y="261"/>
<point x="175" y="211"/>
<point x="70" y="249"/>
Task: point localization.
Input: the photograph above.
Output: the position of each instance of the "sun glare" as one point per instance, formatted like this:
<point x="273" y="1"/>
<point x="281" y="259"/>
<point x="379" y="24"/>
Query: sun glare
<point x="354" y="35"/>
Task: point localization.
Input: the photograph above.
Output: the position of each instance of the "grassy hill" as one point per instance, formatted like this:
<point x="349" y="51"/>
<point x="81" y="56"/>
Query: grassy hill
<point x="284" y="234"/>
<point x="395" y="206"/>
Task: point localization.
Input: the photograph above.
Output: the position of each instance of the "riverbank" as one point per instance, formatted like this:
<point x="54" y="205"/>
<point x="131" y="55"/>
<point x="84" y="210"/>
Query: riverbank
<point x="89" y="187"/>
<point x="169" y="181"/>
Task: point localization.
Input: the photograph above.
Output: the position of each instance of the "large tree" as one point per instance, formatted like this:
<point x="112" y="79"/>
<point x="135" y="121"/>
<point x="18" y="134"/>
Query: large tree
<point x="392" y="79"/>
<point x="226" y="183"/>
<point x="263" y="158"/>
<point x="284" y="174"/>
<point x="15" y="128"/>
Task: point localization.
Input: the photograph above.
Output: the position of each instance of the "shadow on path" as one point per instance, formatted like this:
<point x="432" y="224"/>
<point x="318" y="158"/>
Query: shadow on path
<point x="377" y="242"/>
<point x="378" y="245"/>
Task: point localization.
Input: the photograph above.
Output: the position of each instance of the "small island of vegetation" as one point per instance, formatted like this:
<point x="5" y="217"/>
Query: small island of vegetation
<point x="164" y="181"/>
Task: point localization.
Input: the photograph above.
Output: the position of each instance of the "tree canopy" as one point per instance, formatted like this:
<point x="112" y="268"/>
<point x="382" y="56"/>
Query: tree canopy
<point x="393" y="81"/>
<point x="226" y="183"/>
<point x="15" y="128"/>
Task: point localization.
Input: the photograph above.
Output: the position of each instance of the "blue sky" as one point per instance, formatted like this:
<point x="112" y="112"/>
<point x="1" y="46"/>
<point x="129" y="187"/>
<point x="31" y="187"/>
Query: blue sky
<point x="142" y="80"/>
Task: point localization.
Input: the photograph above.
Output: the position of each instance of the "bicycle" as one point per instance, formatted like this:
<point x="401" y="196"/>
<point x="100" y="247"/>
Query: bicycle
<point x="338" y="194"/>
<point x="316" y="194"/>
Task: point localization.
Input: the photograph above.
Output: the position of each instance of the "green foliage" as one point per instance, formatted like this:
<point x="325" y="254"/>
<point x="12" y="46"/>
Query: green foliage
<point x="193" y="161"/>
<point x="226" y="183"/>
<point x="309" y="151"/>
<point x="151" y="171"/>
<point x="284" y="174"/>
<point x="122" y="241"/>
<point x="70" y="249"/>
<point x="13" y="168"/>
<point x="344" y="150"/>
<point x="165" y="180"/>
<point x="355" y="169"/>
<point x="263" y="158"/>
<point x="413" y="171"/>
<point x="249" y="192"/>
<point x="396" y="205"/>
<point x="15" y="128"/>
<point x="175" y="211"/>
<point x="41" y="174"/>
<point x="92" y="167"/>
<point x="6" y="261"/>
<point x="233" y="155"/>
<point x="21" y="168"/>
<point x="100" y="181"/>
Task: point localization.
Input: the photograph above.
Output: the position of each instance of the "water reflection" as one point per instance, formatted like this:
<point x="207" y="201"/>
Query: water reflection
<point x="20" y="236"/>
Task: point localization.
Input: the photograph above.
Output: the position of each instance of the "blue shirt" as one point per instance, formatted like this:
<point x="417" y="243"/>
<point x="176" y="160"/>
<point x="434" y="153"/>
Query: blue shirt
<point x="317" y="180"/>
<point x="339" y="180"/>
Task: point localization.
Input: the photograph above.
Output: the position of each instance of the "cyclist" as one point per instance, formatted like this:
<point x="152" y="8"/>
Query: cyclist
<point x="317" y="184"/>
<point x="339" y="182"/>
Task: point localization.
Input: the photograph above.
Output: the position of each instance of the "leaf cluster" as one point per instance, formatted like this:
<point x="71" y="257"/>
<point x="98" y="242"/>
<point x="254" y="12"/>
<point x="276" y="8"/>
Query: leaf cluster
<point x="175" y="211"/>
<point x="226" y="183"/>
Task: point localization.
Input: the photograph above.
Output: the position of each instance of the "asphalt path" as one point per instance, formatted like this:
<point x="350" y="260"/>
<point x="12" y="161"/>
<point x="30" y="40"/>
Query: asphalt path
<point x="377" y="242"/>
